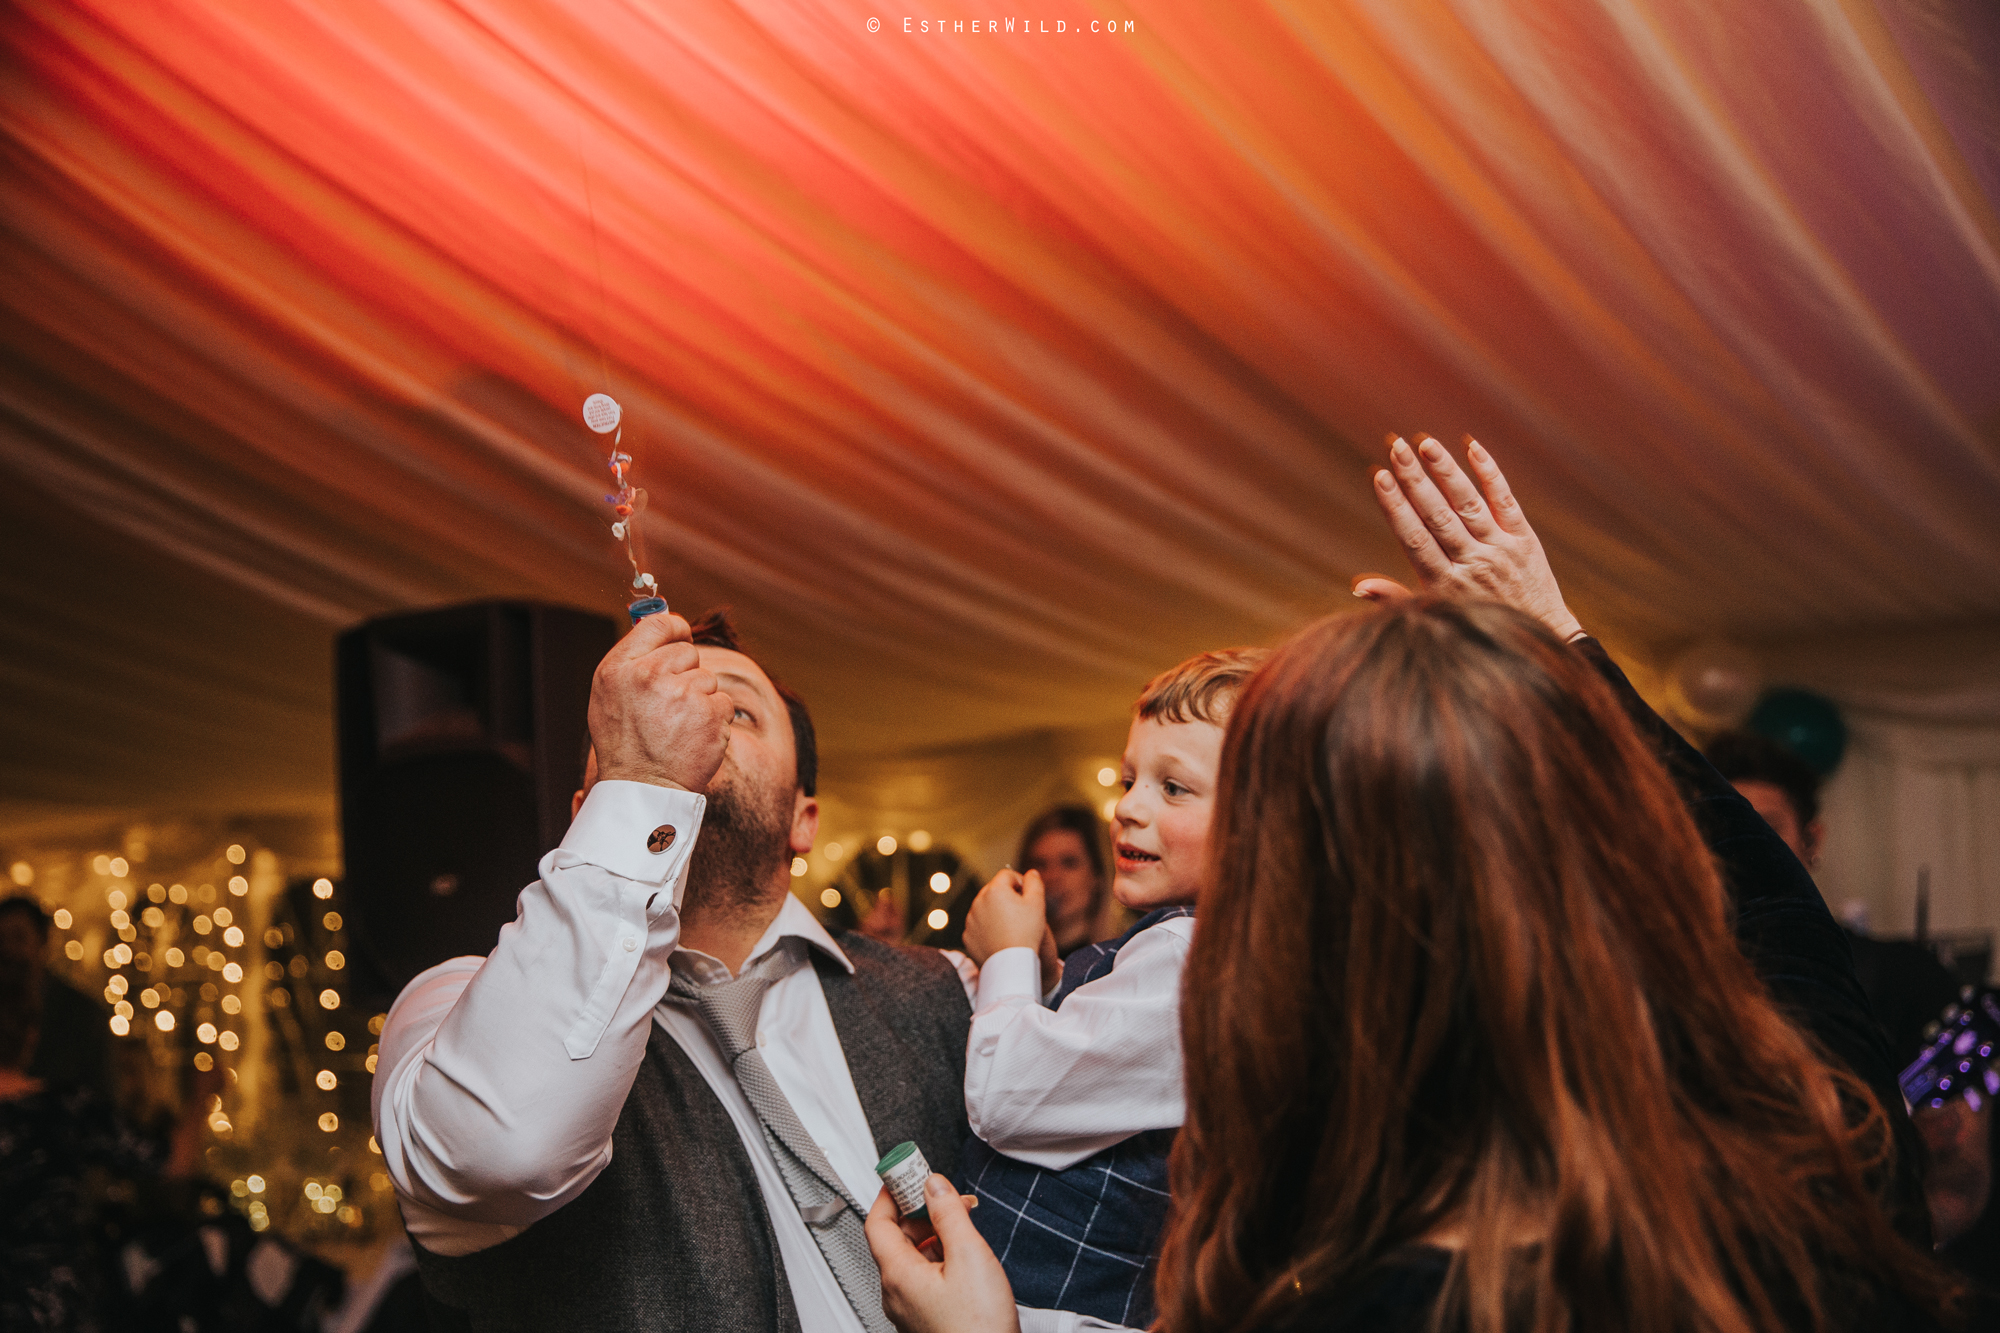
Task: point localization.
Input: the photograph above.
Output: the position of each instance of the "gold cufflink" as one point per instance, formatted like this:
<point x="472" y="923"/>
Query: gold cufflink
<point x="661" y="839"/>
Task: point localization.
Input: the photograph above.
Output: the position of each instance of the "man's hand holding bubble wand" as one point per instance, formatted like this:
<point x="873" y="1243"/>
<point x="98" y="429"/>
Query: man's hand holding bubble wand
<point x="602" y="414"/>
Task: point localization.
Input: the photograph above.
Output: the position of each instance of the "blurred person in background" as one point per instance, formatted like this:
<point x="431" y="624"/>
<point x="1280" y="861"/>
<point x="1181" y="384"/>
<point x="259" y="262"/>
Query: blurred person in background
<point x="54" y="1136"/>
<point x="1907" y="986"/>
<point x="74" y="1047"/>
<point x="1066" y="845"/>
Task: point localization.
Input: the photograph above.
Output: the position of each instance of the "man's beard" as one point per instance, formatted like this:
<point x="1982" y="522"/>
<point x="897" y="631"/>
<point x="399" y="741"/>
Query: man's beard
<point x="742" y="846"/>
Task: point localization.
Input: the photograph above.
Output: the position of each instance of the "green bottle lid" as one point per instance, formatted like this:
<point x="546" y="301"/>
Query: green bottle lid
<point x="896" y="1157"/>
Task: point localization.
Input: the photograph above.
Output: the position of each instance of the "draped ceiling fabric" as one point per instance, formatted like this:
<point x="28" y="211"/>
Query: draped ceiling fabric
<point x="986" y="358"/>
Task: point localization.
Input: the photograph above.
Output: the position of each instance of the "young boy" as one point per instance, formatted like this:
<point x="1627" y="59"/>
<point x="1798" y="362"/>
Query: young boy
<point x="1074" y="1105"/>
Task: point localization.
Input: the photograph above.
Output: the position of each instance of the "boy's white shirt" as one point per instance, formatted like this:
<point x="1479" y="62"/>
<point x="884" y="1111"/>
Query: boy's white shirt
<point x="1052" y="1086"/>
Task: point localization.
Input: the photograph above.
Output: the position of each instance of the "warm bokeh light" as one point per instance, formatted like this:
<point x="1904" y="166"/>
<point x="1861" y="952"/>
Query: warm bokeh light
<point x="177" y="894"/>
<point x="164" y="1020"/>
<point x="938" y="918"/>
<point x="21" y="873"/>
<point x="235" y="853"/>
<point x="1110" y="810"/>
<point x="331" y="921"/>
<point x="120" y="1025"/>
<point x="335" y="1042"/>
<point x="62" y="918"/>
<point x="940" y="882"/>
<point x="204" y="1061"/>
<point x="118" y="867"/>
<point x="335" y="960"/>
<point x="101" y="864"/>
<point x="329" y="999"/>
<point x="834" y="851"/>
<point x="799" y="866"/>
<point x="886" y="844"/>
<point x="175" y="958"/>
<point x="1107" y="777"/>
<point x="239" y="885"/>
<point x="329" y="1122"/>
<point x="322" y="888"/>
<point x="829" y="898"/>
<point x="232" y="972"/>
<point x="205" y="1034"/>
<point x="233" y="937"/>
<point x="231" y="1005"/>
<point x="228" y="1041"/>
<point x="74" y="951"/>
<point x="920" y="840"/>
<point x="327" y="1081"/>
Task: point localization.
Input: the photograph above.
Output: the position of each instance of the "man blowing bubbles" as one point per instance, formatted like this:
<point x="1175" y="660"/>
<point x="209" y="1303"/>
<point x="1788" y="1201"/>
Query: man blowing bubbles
<point x="583" y="1134"/>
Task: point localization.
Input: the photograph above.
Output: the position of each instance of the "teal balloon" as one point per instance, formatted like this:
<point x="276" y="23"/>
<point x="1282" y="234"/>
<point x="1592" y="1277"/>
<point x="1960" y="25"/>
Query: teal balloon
<point x="1805" y="723"/>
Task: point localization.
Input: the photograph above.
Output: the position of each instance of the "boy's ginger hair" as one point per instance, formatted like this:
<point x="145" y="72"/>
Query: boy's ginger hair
<point x="1201" y="689"/>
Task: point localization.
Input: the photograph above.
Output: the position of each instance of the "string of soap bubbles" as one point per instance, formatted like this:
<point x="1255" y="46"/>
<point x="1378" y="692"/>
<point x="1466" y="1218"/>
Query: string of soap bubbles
<point x="603" y="415"/>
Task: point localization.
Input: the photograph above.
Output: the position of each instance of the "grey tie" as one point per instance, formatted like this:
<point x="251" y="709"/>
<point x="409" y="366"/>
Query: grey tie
<point x="830" y="1212"/>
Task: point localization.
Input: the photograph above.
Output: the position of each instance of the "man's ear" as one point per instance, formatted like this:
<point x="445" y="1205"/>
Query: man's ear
<point x="1814" y="835"/>
<point x="589" y="781"/>
<point x="805" y="824"/>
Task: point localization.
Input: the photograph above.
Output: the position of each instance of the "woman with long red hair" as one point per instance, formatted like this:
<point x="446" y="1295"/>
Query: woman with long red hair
<point x="1474" y="1041"/>
<point x="1476" y="1038"/>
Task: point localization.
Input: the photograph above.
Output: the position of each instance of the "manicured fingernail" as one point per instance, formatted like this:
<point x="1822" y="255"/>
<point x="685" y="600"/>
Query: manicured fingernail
<point x="937" y="1186"/>
<point x="1362" y="595"/>
<point x="1385" y="481"/>
<point x="1431" y="449"/>
<point x="1401" y="452"/>
<point x="1392" y="439"/>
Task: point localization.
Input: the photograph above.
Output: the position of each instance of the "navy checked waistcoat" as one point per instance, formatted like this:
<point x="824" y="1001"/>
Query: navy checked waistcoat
<point x="1084" y="1239"/>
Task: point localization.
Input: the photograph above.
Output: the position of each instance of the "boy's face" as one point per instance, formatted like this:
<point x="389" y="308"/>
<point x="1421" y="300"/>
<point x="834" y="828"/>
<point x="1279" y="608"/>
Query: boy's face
<point x="1161" y="825"/>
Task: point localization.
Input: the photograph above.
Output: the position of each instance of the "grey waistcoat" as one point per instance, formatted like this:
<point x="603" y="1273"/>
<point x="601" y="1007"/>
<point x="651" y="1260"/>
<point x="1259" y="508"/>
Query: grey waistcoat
<point x="673" y="1235"/>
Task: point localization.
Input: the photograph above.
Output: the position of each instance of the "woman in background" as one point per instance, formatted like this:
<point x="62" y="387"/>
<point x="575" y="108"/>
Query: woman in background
<point x="1066" y="844"/>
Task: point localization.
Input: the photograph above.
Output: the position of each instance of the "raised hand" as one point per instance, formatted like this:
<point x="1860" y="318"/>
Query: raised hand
<point x="655" y="715"/>
<point x="1011" y="911"/>
<point x="1463" y="538"/>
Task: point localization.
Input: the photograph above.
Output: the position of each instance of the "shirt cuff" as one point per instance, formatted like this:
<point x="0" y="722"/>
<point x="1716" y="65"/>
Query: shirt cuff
<point x="635" y="830"/>
<point x="1010" y="974"/>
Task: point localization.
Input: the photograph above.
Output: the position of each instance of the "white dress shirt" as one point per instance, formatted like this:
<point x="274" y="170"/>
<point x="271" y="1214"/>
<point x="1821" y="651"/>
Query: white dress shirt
<point x="1052" y="1086"/>
<point x="499" y="1080"/>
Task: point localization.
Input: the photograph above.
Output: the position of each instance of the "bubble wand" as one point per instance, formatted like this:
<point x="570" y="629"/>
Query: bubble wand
<point x="603" y="415"/>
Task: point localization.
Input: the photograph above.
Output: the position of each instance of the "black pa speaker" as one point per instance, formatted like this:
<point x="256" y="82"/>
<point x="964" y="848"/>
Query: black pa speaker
<point x="462" y="735"/>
